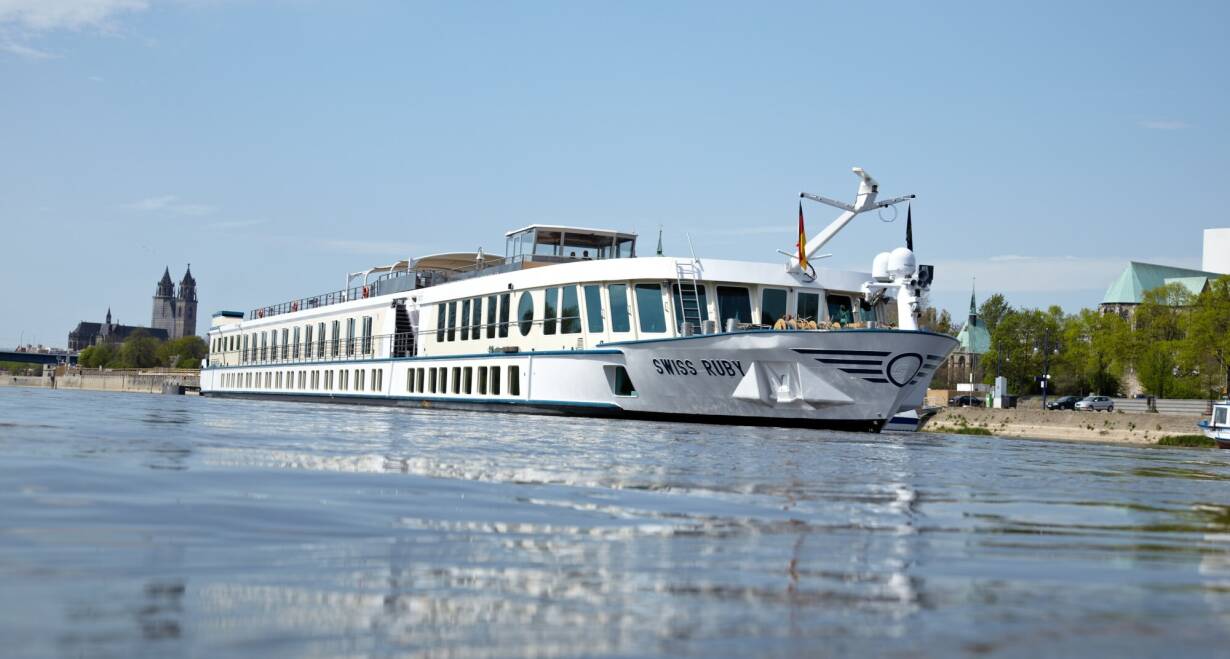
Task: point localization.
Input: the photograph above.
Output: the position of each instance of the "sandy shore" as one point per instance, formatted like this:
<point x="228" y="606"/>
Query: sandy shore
<point x="1130" y="428"/>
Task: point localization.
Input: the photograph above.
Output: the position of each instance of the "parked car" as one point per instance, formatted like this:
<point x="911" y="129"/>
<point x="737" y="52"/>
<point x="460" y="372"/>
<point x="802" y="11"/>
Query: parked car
<point x="966" y="401"/>
<point x="1095" y="404"/>
<point x="1063" y="403"/>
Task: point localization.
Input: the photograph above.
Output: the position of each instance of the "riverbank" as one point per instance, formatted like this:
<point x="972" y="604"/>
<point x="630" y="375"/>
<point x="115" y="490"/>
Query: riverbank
<point x="155" y="381"/>
<point x="1123" y="427"/>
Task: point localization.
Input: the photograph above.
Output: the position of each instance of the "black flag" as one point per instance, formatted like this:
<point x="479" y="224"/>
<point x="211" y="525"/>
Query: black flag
<point x="909" y="227"/>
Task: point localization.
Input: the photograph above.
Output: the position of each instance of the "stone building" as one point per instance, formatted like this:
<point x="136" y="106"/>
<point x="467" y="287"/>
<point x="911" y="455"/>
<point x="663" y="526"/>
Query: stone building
<point x="974" y="341"/>
<point x="175" y="311"/>
<point x="88" y="334"/>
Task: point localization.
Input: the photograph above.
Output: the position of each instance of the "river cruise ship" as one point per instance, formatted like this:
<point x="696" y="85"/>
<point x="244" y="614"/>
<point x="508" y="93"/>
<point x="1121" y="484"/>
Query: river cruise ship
<point x="573" y="320"/>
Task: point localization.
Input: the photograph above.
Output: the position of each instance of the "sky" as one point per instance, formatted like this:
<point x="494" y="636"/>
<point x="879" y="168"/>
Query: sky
<point x="278" y="145"/>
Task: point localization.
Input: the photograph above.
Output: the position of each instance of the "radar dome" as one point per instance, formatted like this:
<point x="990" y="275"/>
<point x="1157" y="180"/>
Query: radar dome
<point x="879" y="267"/>
<point x="901" y="262"/>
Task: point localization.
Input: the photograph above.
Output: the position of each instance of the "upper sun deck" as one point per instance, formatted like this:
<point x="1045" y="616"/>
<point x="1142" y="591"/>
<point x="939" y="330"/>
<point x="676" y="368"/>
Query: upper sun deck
<point x="545" y="243"/>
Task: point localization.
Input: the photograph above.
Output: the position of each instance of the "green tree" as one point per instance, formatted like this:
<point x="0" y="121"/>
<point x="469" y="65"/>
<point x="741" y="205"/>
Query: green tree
<point x="139" y="350"/>
<point x="992" y="310"/>
<point x="96" y="356"/>
<point x="180" y="352"/>
<point x="1206" y="344"/>
<point x="1157" y="337"/>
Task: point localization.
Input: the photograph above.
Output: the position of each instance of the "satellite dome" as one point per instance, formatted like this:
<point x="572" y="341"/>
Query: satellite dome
<point x="879" y="267"/>
<point x="901" y="262"/>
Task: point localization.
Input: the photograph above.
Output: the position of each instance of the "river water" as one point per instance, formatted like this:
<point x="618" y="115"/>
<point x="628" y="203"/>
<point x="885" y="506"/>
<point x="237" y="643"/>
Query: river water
<point x="166" y="526"/>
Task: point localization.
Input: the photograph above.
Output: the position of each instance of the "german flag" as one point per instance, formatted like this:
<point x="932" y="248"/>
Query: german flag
<point x="802" y="241"/>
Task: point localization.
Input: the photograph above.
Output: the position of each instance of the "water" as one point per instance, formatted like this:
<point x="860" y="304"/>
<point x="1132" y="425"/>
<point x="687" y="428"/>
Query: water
<point x="160" y="526"/>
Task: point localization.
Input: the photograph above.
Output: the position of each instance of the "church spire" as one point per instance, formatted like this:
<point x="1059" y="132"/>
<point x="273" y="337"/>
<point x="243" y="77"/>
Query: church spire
<point x="108" y="315"/>
<point x="166" y="287"/>
<point x="973" y="306"/>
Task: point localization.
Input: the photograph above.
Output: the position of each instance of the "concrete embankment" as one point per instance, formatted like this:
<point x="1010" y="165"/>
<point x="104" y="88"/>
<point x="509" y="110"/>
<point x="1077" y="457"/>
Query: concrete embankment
<point x="1126" y="427"/>
<point x="130" y="381"/>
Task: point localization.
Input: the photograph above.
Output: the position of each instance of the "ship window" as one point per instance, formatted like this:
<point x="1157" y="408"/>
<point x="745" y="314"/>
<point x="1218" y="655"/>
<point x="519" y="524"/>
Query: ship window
<point x="525" y="313"/>
<point x="734" y="302"/>
<point x="279" y="380"/>
<point x="701" y="302"/>
<point x="549" y="309"/>
<point x="467" y="381"/>
<point x="456" y="378"/>
<point x="593" y="308"/>
<point x="345" y="376"/>
<point x="866" y="312"/>
<point x="307" y="341"/>
<point x="465" y="320"/>
<point x="303" y="379"/>
<point x="367" y="335"/>
<point x="649" y="308"/>
<point x="443" y="380"/>
<point x="244" y="353"/>
<point x="350" y="336"/>
<point x="772" y="305"/>
<point x="410" y="380"/>
<point x="285" y="343"/>
<point x="840" y="308"/>
<point x="514" y="380"/>
<point x="1219" y="419"/>
<point x="570" y="312"/>
<point x="505" y="302"/>
<point x="495" y="380"/>
<point x="431" y="379"/>
<point x="809" y="306"/>
<point x="268" y="338"/>
<point x="452" y="320"/>
<point x="295" y="351"/>
<point x="482" y="380"/>
<point x="268" y="379"/>
<point x="440" y="311"/>
<point x="418" y="381"/>
<point x="619" y="307"/>
<point x="491" y="309"/>
<point x="337" y="336"/>
<point x="477" y="319"/>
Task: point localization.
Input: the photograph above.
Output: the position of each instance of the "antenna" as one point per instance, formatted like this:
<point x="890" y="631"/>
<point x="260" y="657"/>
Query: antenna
<point x="868" y="188"/>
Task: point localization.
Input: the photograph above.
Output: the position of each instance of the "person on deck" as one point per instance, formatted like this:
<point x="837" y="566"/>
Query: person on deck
<point x="780" y="324"/>
<point x="791" y="323"/>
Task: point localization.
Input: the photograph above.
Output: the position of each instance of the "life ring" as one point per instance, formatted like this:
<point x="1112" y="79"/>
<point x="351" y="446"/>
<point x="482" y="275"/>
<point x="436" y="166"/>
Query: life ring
<point x="294" y="306"/>
<point x="260" y="313"/>
<point x="364" y="291"/>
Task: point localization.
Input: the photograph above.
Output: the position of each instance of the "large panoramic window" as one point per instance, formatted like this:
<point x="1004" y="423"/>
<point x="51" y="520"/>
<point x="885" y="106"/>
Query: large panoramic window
<point x="734" y="302"/>
<point x="505" y="303"/>
<point x="570" y="312"/>
<point x="350" y="336"/>
<point x="307" y="342"/>
<point x="619" y="307"/>
<point x="476" y="320"/>
<point x="295" y="350"/>
<point x="772" y="305"/>
<point x="649" y="308"/>
<point x="465" y="320"/>
<point x="549" y="310"/>
<point x="525" y="313"/>
<point x="593" y="308"/>
<point x="337" y="337"/>
<point x="809" y="306"/>
<point x="701" y="303"/>
<point x="367" y="335"/>
<point x="285" y="343"/>
<point x="452" y="321"/>
<point x="440" y="311"/>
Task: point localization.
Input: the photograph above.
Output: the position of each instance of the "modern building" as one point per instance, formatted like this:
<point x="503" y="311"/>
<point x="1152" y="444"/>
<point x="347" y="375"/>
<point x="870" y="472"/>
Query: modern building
<point x="87" y="334"/>
<point x="1216" y="251"/>
<point x="974" y="341"/>
<point x="175" y="311"/>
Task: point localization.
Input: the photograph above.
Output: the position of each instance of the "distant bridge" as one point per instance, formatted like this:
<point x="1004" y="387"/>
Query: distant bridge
<point x="36" y="357"/>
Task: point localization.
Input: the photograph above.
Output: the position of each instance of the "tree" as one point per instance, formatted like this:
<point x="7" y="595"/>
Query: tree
<point x="1155" y="341"/>
<point x="96" y="356"/>
<point x="1206" y="346"/>
<point x="139" y="350"/>
<point x="180" y="352"/>
<point x="992" y="310"/>
<point x="936" y="321"/>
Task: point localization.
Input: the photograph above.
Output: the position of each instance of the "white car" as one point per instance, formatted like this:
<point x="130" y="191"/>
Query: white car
<point x="1096" y="404"/>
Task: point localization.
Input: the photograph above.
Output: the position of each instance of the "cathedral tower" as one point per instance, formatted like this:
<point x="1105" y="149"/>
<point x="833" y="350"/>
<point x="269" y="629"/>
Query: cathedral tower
<point x="164" y="317"/>
<point x="185" y="303"/>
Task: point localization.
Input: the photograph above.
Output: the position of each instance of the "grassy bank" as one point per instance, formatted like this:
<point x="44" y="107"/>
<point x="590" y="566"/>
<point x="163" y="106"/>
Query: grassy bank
<point x="1122" y="427"/>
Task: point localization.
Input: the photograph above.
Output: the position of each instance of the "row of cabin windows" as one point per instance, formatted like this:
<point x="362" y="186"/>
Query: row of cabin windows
<point x="315" y="379"/>
<point x="561" y="309"/>
<point x="462" y="380"/>
<point x="470" y="324"/>
<point x="301" y="342"/>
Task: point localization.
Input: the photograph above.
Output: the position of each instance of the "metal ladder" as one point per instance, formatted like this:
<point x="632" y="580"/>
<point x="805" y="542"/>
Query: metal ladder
<point x="687" y="274"/>
<point x="403" y="339"/>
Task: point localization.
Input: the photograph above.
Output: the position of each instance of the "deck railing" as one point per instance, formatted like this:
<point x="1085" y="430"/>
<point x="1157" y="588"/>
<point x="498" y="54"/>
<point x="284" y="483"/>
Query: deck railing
<point x="378" y="287"/>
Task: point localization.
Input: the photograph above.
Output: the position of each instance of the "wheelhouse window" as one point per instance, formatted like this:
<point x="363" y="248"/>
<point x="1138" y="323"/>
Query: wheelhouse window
<point x="772" y="305"/>
<point x="620" y="318"/>
<point x="525" y="313"/>
<point x="841" y="310"/>
<point x="734" y="302"/>
<point x="866" y="312"/>
<point x="685" y="297"/>
<point x="570" y="312"/>
<point x="549" y="310"/>
<point x="649" y="308"/>
<point x="593" y="308"/>
<point x="809" y="306"/>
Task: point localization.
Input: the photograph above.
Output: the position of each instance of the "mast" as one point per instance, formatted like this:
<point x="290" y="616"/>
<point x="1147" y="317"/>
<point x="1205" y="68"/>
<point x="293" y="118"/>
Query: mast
<point x="868" y="188"/>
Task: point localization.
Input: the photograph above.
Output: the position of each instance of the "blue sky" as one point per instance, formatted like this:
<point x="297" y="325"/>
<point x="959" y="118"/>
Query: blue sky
<point x="277" y="145"/>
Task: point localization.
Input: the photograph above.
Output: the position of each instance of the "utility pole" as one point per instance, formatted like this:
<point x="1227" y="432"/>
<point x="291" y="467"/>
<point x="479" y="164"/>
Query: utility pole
<point x="1046" y="363"/>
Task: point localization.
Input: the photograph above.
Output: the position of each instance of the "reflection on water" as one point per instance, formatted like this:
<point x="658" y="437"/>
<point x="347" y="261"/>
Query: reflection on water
<point x="170" y="526"/>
